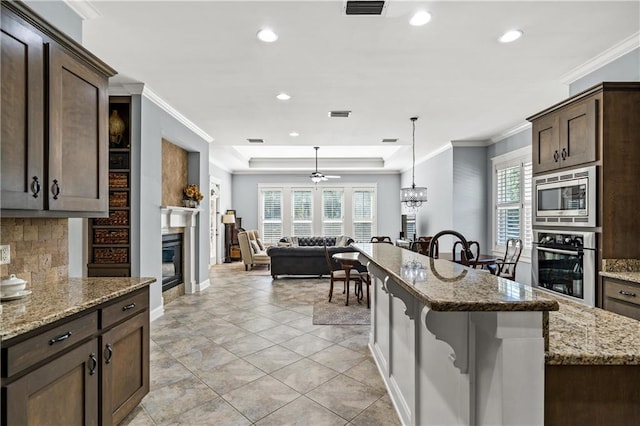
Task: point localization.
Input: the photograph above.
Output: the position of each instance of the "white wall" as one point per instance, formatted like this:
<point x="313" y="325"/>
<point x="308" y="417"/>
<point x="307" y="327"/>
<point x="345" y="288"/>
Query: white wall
<point x="470" y="196"/>
<point x="436" y="174"/>
<point x="245" y="196"/>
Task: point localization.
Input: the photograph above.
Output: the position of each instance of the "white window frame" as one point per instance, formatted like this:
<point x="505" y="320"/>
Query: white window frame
<point x="374" y="206"/>
<point x="287" y="201"/>
<point x="342" y="210"/>
<point x="293" y="219"/>
<point x="517" y="157"/>
<point x="261" y="219"/>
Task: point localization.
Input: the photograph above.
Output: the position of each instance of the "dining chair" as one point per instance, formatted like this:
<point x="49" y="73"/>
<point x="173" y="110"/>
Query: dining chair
<point x="341" y="275"/>
<point x="506" y="267"/>
<point x="381" y="239"/>
<point x="472" y="245"/>
<point x="466" y="253"/>
<point x="421" y="245"/>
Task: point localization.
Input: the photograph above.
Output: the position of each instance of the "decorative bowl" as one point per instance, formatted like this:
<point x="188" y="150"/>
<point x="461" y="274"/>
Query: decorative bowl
<point x="12" y="285"/>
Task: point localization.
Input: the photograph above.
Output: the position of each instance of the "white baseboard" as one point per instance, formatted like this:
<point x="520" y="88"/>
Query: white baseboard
<point x="204" y="285"/>
<point x="156" y="313"/>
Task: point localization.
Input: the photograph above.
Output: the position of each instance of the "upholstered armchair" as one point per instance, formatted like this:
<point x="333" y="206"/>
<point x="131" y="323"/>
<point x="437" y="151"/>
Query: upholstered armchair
<point x="252" y="250"/>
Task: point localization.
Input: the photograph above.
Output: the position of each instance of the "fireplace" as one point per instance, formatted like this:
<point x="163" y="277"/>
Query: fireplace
<point x="171" y="261"/>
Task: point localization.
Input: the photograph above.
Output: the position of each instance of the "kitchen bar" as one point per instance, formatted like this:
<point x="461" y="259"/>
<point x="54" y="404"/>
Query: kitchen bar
<point x="456" y="345"/>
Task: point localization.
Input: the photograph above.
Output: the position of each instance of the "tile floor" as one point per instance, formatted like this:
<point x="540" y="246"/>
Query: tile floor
<point x="245" y="351"/>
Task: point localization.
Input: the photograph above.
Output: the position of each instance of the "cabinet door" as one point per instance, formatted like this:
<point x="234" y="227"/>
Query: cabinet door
<point x="125" y="367"/>
<point x="78" y="145"/>
<point x="63" y="391"/>
<point x="22" y="116"/>
<point x="578" y="133"/>
<point x="546" y="155"/>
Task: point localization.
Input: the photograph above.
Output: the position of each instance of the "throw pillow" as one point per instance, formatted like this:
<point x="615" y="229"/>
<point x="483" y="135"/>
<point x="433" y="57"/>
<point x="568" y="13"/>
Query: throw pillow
<point x="260" y="243"/>
<point x="283" y="244"/>
<point x="255" y="246"/>
<point x="342" y="241"/>
<point x="293" y="241"/>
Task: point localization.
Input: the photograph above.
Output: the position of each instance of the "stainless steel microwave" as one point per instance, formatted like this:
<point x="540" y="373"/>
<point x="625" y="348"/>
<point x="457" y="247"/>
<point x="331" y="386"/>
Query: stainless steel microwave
<point x="566" y="198"/>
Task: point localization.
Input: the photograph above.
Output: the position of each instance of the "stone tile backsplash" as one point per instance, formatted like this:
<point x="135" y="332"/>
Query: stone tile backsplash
<point x="39" y="248"/>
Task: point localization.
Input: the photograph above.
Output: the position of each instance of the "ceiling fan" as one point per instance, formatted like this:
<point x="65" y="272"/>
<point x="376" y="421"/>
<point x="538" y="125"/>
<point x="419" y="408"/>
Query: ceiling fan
<point x="317" y="176"/>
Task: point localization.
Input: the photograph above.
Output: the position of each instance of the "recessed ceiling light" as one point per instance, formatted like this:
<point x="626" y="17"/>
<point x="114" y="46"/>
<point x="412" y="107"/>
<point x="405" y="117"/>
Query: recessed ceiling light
<point x="267" y="35"/>
<point x="283" y="96"/>
<point x="420" y="18"/>
<point x="509" y="36"/>
<point x="294" y="134"/>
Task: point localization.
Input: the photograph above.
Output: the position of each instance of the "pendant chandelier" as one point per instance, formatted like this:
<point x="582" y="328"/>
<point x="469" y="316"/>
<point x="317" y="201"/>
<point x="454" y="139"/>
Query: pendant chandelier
<point x="413" y="196"/>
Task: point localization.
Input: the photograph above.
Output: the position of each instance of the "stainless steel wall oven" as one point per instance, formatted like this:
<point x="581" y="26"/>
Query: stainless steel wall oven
<point x="564" y="262"/>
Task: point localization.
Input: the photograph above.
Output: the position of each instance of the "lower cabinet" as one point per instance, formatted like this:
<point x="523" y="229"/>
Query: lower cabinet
<point x="89" y="370"/>
<point x="621" y="297"/>
<point x="125" y="368"/>
<point x="63" y="391"/>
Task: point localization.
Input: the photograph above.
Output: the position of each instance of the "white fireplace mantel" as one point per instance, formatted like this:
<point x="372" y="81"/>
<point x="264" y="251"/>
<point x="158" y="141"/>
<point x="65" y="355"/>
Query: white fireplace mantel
<point x="184" y="217"/>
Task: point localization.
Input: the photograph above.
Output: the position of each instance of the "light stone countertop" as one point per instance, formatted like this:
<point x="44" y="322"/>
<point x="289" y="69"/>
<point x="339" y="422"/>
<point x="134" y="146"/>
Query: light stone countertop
<point x="448" y="286"/>
<point x="583" y="335"/>
<point x="633" y="277"/>
<point x="53" y="301"/>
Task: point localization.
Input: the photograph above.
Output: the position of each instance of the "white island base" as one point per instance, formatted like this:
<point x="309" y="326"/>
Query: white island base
<point x="456" y="367"/>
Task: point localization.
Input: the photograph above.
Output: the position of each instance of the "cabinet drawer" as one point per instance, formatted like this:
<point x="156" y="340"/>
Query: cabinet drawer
<point x="622" y="291"/>
<point x="48" y="343"/>
<point x="124" y="308"/>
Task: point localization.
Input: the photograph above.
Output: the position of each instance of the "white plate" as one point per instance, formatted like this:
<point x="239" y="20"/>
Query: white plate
<point x="18" y="295"/>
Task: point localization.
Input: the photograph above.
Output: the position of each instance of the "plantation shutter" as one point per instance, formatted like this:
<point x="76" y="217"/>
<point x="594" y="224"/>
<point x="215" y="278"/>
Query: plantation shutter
<point x="363" y="207"/>
<point x="332" y="212"/>
<point x="271" y="215"/>
<point x="302" y="212"/>
<point x="508" y="203"/>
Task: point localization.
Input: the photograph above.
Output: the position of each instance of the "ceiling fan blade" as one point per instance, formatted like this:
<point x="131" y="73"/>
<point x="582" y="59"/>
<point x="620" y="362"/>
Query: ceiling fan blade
<point x="332" y="177"/>
<point x="323" y="177"/>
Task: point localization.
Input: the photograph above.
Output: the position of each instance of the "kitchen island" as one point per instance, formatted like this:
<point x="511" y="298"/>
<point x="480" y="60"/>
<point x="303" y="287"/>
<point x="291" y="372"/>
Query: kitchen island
<point x="456" y="345"/>
<point x="459" y="346"/>
<point x="75" y="350"/>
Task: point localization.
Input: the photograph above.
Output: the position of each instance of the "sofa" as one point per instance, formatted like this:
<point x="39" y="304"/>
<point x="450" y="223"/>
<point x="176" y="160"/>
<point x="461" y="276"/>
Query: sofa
<point x="305" y="255"/>
<point x="252" y="249"/>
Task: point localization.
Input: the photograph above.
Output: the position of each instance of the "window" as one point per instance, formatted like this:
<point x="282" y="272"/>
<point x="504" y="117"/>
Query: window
<point x="363" y="205"/>
<point x="302" y="212"/>
<point x="308" y="210"/>
<point x="513" y="192"/>
<point x="331" y="212"/>
<point x="271" y="229"/>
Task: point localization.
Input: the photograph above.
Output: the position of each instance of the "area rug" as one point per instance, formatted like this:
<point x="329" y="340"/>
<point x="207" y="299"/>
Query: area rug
<point x="336" y="313"/>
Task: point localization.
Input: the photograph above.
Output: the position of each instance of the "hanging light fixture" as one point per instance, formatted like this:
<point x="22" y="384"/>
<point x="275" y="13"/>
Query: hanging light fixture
<point x="413" y="196"/>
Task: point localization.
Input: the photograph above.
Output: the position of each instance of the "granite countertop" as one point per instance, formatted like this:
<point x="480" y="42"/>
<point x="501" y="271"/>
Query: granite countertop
<point x="633" y="277"/>
<point x="52" y="301"/>
<point x="448" y="286"/>
<point x="583" y="335"/>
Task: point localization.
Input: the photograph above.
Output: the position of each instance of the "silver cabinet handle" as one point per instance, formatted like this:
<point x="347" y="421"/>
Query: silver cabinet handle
<point x="627" y="293"/>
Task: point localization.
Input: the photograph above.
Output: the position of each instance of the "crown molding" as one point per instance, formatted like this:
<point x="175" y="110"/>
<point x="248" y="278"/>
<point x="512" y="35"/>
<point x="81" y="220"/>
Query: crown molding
<point x="308" y="163"/>
<point x="510" y="132"/>
<point x="430" y="155"/>
<point x="84" y="9"/>
<point x="470" y="144"/>
<point x="625" y="46"/>
<point x="127" y="89"/>
<point x="367" y="172"/>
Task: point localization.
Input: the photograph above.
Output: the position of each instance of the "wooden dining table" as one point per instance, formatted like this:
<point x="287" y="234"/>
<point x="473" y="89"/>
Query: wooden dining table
<point x="348" y="260"/>
<point x="483" y="260"/>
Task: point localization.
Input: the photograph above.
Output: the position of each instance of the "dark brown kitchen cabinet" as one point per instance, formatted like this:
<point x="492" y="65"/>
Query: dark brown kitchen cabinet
<point x="21" y="108"/>
<point x="90" y="369"/>
<point x="63" y="391"/>
<point x="566" y="137"/>
<point x="54" y="121"/>
<point x="621" y="297"/>
<point x="125" y="369"/>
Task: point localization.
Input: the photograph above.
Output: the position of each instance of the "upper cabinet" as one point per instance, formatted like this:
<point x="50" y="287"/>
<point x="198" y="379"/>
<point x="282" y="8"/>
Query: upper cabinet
<point x="54" y="124"/>
<point x="566" y="136"/>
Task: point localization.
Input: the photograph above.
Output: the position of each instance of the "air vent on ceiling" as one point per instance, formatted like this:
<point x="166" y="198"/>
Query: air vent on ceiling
<point x="388" y="140"/>
<point x="342" y="114"/>
<point x="360" y="7"/>
<point x="255" y="140"/>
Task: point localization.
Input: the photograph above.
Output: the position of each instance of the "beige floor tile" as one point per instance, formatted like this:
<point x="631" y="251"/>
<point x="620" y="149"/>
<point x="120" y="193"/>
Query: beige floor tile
<point x="304" y="375"/>
<point x="345" y="396"/>
<point x="172" y="400"/>
<point x="380" y="413"/>
<point x="306" y="344"/>
<point x="230" y="376"/>
<point x="338" y="358"/>
<point x="281" y="333"/>
<point x="216" y="412"/>
<point x="207" y="358"/>
<point x="247" y="345"/>
<point x="273" y="358"/>
<point x="302" y="412"/>
<point x="261" y="397"/>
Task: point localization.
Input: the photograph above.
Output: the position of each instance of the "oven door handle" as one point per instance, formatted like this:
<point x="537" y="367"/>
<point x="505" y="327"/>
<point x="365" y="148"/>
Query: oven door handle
<point x="559" y="251"/>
